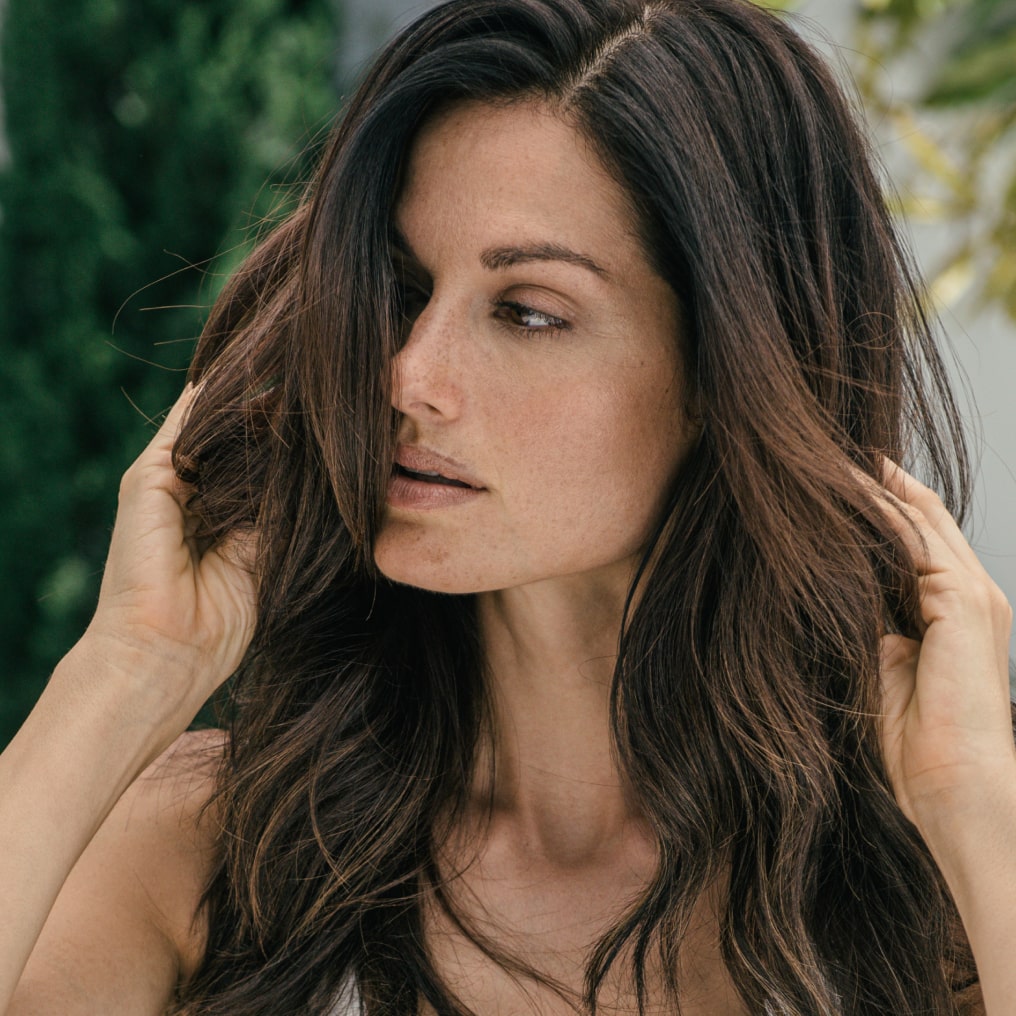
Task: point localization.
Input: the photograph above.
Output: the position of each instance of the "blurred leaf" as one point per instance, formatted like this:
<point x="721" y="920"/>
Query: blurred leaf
<point x="985" y="71"/>
<point x="1001" y="283"/>
<point x="954" y="282"/>
<point x="929" y="156"/>
<point x="956" y="136"/>
<point x="910" y="14"/>
<point x="145" y="139"/>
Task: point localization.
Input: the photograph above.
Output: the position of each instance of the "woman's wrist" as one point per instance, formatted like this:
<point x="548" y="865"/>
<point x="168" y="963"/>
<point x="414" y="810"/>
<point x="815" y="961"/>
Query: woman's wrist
<point x="136" y="699"/>
<point x="972" y="838"/>
<point x="971" y="832"/>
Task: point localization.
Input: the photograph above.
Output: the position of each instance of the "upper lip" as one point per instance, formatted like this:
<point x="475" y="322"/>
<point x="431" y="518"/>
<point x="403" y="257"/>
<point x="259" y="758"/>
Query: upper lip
<point x="424" y="460"/>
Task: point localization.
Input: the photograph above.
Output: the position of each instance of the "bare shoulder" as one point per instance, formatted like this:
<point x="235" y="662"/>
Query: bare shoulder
<point x="123" y="933"/>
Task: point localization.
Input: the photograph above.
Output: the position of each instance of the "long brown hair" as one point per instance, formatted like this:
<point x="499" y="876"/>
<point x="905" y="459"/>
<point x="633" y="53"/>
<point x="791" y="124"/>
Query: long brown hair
<point x="745" y="696"/>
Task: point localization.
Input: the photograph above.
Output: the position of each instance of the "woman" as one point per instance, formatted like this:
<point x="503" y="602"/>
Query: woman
<point x="594" y="654"/>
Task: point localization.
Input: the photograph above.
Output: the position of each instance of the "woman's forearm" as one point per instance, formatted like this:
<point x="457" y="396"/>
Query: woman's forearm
<point x="82" y="746"/>
<point x="974" y="845"/>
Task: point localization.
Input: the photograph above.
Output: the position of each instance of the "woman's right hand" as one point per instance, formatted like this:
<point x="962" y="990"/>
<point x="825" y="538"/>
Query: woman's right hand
<point x="172" y="619"/>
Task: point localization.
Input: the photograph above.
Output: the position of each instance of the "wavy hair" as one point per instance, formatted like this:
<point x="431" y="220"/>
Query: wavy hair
<point x="745" y="697"/>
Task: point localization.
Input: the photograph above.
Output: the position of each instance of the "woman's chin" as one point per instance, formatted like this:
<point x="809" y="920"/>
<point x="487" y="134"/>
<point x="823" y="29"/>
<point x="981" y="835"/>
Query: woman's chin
<point x="424" y="572"/>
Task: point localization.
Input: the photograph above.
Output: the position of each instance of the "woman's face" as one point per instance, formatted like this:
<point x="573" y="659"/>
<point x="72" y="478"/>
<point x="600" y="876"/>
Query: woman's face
<point x="540" y="377"/>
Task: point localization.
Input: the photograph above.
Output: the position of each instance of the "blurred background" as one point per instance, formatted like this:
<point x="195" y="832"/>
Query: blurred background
<point x="142" y="145"/>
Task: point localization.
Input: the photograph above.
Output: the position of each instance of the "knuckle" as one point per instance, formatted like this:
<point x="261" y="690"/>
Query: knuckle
<point x="955" y="597"/>
<point x="916" y="490"/>
<point x="128" y="483"/>
<point x="1003" y="608"/>
<point x="986" y="599"/>
<point x="928" y="495"/>
<point x="981" y="595"/>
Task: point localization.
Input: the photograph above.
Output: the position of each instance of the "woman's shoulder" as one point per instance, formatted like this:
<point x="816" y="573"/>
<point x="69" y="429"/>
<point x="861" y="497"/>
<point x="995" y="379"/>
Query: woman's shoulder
<point x="124" y="930"/>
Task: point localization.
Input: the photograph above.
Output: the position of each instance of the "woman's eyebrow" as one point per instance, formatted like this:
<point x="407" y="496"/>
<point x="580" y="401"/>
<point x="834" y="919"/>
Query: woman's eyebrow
<point x="496" y="258"/>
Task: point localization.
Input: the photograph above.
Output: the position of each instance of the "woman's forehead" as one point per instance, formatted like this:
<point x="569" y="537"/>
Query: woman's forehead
<point x="486" y="175"/>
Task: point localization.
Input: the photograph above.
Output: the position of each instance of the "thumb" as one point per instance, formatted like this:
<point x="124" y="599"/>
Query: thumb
<point x="898" y="673"/>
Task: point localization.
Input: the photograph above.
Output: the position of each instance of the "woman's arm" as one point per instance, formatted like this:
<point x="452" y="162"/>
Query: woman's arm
<point x="171" y="624"/>
<point x="122" y="932"/>
<point x="947" y="732"/>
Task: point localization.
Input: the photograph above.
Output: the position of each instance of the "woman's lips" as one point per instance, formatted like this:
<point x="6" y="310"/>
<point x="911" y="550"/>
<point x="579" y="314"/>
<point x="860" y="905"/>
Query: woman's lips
<point x="405" y="491"/>
<point x="422" y="479"/>
<point x="417" y="459"/>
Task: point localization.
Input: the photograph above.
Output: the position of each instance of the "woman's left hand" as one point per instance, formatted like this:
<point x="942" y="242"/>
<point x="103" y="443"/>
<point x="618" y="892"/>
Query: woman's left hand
<point x="947" y="732"/>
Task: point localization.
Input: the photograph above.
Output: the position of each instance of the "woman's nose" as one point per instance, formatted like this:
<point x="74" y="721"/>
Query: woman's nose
<point x="426" y="372"/>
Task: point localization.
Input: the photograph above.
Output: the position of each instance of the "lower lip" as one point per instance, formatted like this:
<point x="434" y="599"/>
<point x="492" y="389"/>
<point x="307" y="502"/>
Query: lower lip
<point x="405" y="492"/>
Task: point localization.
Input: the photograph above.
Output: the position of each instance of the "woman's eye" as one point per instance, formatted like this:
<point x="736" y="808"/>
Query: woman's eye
<point x="526" y="318"/>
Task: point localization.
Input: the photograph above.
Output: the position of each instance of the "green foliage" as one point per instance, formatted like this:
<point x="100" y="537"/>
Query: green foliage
<point x="140" y="135"/>
<point x="959" y="134"/>
<point x="980" y="62"/>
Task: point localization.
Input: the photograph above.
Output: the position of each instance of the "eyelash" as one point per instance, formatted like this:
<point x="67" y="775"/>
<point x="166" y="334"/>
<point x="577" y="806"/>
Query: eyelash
<point x="415" y="297"/>
<point x="553" y="327"/>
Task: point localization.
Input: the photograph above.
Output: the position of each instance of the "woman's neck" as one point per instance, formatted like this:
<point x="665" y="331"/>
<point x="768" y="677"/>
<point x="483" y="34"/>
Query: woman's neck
<point x="550" y="653"/>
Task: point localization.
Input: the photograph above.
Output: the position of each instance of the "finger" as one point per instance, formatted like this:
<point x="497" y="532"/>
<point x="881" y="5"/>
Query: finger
<point x="239" y="547"/>
<point x="171" y="425"/>
<point x="930" y="552"/>
<point x="898" y="658"/>
<point x="929" y="512"/>
<point x="153" y="469"/>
